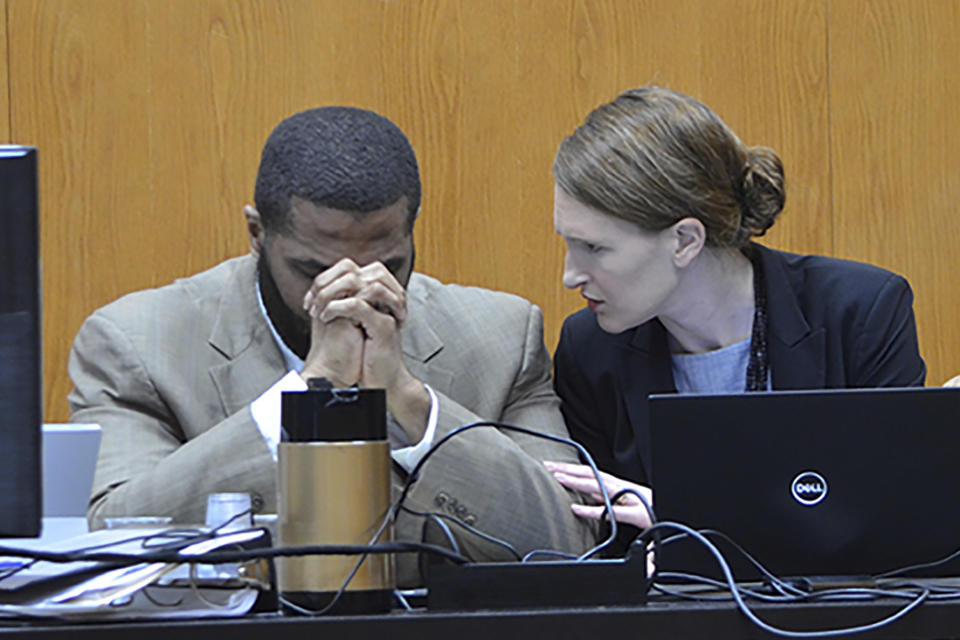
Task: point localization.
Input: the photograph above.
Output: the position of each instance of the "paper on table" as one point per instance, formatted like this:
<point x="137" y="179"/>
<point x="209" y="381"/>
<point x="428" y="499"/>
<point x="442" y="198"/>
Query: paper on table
<point x="86" y="589"/>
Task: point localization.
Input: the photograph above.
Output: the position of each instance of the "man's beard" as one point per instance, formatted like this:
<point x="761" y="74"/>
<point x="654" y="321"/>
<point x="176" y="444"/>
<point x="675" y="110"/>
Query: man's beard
<point x="293" y="330"/>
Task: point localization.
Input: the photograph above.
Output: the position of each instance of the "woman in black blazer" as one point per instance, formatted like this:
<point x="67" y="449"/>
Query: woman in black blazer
<point x="658" y="200"/>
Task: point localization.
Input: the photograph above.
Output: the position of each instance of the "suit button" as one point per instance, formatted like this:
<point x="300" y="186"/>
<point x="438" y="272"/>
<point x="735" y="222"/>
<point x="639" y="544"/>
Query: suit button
<point x="256" y="502"/>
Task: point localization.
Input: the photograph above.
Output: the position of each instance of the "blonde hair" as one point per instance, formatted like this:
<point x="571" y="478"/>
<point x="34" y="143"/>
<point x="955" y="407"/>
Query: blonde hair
<point x="654" y="156"/>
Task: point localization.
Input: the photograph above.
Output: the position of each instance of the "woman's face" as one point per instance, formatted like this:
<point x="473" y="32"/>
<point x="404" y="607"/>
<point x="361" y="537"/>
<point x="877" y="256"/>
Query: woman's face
<point x="626" y="274"/>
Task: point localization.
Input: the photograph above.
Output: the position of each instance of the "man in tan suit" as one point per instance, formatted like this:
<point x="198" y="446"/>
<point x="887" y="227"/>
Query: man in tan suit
<point x="186" y="379"/>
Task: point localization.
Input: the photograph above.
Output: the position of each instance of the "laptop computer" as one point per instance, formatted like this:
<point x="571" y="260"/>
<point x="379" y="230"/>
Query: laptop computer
<point x="69" y="459"/>
<point x="852" y="482"/>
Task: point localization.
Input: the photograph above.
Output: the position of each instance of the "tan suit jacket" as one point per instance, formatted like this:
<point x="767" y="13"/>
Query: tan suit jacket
<point x="169" y="373"/>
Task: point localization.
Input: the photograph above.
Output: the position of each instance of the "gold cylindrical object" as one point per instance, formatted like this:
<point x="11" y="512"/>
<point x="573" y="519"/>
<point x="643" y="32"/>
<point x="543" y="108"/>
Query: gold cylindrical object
<point x="333" y="493"/>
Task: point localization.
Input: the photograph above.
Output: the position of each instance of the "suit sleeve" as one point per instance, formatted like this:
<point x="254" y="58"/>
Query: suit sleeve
<point x="494" y="479"/>
<point x="147" y="465"/>
<point x="886" y="350"/>
<point x="581" y="411"/>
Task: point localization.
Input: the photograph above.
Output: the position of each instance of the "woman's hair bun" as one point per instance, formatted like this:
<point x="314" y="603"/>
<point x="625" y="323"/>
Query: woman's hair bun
<point x="762" y="191"/>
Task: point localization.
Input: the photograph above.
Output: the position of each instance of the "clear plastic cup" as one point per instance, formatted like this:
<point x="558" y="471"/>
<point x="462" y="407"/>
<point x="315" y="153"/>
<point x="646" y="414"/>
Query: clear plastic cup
<point x="229" y="511"/>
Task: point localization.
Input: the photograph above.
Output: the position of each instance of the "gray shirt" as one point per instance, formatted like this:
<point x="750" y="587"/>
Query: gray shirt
<point x="720" y="371"/>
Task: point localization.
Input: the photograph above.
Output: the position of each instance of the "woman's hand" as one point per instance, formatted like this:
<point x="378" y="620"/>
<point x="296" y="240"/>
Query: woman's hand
<point x="579" y="477"/>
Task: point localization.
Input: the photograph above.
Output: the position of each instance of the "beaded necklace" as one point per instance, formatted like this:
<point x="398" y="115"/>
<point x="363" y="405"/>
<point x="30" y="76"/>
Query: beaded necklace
<point x="758" y="368"/>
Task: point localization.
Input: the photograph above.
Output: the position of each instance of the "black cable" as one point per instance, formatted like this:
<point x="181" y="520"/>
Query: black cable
<point x="937" y="592"/>
<point x="463" y="525"/>
<point x="860" y="593"/>
<point x="788" y="592"/>
<point x="777" y="582"/>
<point x="166" y="539"/>
<point x="530" y="555"/>
<point x="713" y="584"/>
<point x="186" y="535"/>
<point x="650" y="514"/>
<point x="242" y="514"/>
<point x="402" y="600"/>
<point x="926" y="565"/>
<point x="222" y="557"/>
<point x="646" y="504"/>
<point x="846" y="593"/>
<point x="390" y="517"/>
<point x="787" y="588"/>
<point x="12" y="571"/>
<point x="414" y="474"/>
<point x="432" y="517"/>
<point x="742" y="606"/>
<point x="146" y="594"/>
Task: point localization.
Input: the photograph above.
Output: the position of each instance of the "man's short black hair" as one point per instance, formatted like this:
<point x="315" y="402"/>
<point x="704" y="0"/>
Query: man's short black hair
<point x="335" y="157"/>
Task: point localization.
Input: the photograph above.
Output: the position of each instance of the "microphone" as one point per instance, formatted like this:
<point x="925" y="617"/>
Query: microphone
<point x="334" y="488"/>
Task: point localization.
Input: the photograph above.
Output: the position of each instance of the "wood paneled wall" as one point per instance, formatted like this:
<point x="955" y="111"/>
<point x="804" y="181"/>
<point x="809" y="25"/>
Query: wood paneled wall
<point x="895" y="155"/>
<point x="149" y="117"/>
<point x="4" y="78"/>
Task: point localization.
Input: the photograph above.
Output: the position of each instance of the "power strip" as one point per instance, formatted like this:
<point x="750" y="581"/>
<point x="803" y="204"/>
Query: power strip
<point x="519" y="585"/>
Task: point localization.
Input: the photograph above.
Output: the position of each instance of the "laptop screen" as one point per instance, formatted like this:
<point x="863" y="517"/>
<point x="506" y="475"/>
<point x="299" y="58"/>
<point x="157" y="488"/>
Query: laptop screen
<point x="841" y="482"/>
<point x="69" y="459"/>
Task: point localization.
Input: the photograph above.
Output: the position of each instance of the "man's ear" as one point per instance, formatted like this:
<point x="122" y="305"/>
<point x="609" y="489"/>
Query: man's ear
<point x="690" y="236"/>
<point x="254" y="229"/>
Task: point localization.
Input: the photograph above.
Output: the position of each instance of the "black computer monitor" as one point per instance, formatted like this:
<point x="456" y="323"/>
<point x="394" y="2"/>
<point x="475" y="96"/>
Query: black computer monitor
<point x="21" y="367"/>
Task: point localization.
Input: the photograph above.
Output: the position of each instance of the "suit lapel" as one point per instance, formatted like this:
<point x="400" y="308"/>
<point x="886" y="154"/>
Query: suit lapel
<point x="240" y="333"/>
<point x="420" y="342"/>
<point x="797" y="351"/>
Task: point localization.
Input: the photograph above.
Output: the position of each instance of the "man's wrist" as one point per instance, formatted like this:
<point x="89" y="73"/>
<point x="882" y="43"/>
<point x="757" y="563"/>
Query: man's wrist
<point x="410" y="406"/>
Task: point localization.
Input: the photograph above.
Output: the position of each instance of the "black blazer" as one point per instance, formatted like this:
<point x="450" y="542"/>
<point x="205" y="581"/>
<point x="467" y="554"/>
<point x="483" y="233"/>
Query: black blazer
<point x="831" y="324"/>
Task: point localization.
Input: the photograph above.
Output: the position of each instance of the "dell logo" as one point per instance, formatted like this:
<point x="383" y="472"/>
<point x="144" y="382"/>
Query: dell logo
<point x="809" y="488"/>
